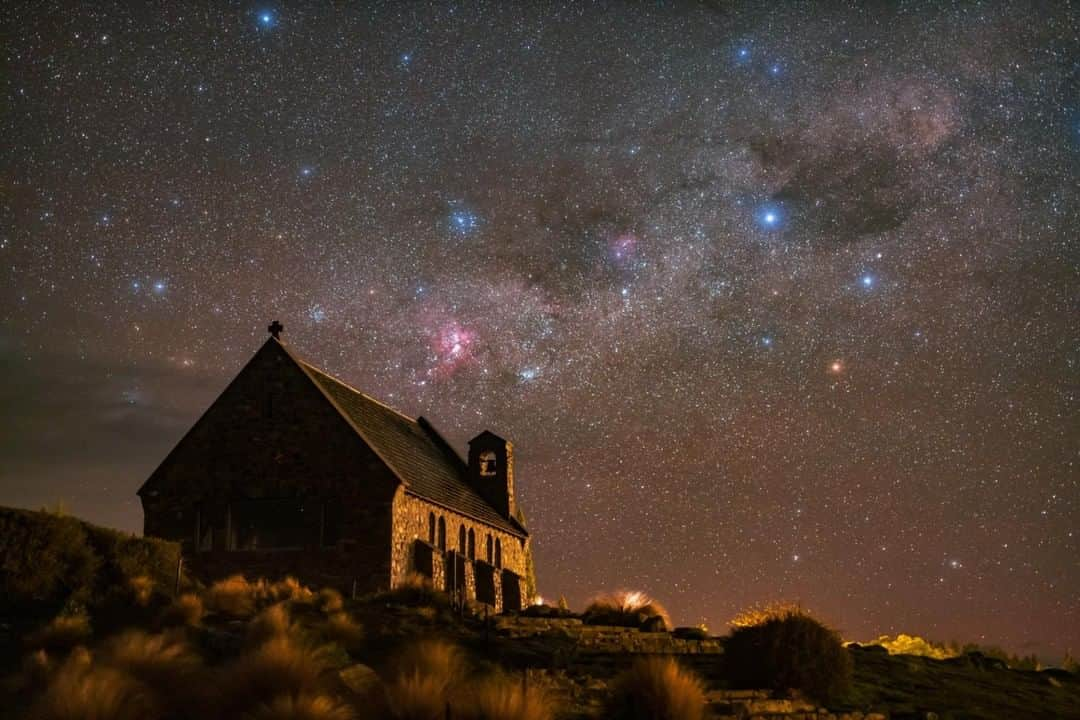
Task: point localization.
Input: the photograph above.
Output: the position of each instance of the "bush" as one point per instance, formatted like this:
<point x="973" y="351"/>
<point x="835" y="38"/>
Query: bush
<point x="789" y="651"/>
<point x="627" y="609"/>
<point x="656" y="689"/>
<point x="499" y="697"/>
<point x="237" y="597"/>
<point x="424" y="679"/>
<point x="306" y="706"/>
<point x="49" y="562"/>
<point x="281" y="666"/>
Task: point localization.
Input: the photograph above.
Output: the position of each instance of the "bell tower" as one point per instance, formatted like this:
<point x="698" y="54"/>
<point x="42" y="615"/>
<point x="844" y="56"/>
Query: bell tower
<point x="491" y="471"/>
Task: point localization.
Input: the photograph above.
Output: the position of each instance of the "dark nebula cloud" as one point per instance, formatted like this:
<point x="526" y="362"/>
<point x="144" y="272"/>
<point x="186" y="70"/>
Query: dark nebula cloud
<point x="775" y="301"/>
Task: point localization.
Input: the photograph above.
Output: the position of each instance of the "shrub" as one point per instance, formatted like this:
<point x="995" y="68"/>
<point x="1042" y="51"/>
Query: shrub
<point x="45" y="562"/>
<point x="627" y="608"/>
<point x="425" y="678"/>
<point x="499" y="697"/>
<point x="81" y="690"/>
<point x="330" y="601"/>
<point x="656" y="689"/>
<point x="49" y="562"/>
<point x="789" y="651"/>
<point x="306" y="706"/>
<point x="233" y="596"/>
<point x="761" y="612"/>
<point x="272" y="622"/>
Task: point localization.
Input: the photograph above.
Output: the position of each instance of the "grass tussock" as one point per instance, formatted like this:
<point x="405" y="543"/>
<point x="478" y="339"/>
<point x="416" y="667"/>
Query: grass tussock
<point x="330" y="601"/>
<point x="84" y="690"/>
<point x="281" y="666"/>
<point x="60" y="634"/>
<point x="164" y="660"/>
<point x="761" y="613"/>
<point x="340" y="628"/>
<point x="499" y="697"/>
<point x="425" y="677"/>
<point x="306" y="706"/>
<point x="415" y="590"/>
<point x="656" y="689"/>
<point x="272" y="622"/>
<point x="627" y="608"/>
<point x="141" y="590"/>
<point x="790" y="650"/>
<point x="237" y="597"/>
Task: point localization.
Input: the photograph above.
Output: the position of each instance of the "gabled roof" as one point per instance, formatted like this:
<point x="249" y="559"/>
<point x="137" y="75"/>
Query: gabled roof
<point x="412" y="449"/>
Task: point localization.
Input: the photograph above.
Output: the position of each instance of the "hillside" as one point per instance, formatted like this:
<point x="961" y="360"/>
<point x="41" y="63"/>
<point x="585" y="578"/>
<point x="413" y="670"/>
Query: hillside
<point x="96" y="622"/>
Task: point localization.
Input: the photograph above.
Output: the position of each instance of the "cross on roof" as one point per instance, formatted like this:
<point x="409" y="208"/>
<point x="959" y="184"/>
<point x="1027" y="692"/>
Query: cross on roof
<point x="275" y="329"/>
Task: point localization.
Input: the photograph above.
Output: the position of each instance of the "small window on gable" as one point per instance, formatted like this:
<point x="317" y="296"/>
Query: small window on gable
<point x="431" y="528"/>
<point x="488" y="463"/>
<point x="490" y="550"/>
<point x="461" y="540"/>
<point x="442" y="533"/>
<point x="498" y="553"/>
<point x="472" y="544"/>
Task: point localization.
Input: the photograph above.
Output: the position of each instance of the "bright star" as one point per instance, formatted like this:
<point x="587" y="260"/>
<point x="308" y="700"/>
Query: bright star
<point x="529" y="374"/>
<point x="766" y="341"/>
<point x="266" y="19"/>
<point x="867" y="281"/>
<point x="775" y="70"/>
<point x="464" y="221"/>
<point x="769" y="217"/>
<point x="159" y="287"/>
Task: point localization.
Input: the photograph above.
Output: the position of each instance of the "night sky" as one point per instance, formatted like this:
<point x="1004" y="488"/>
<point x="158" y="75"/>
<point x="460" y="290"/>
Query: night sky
<point x="775" y="303"/>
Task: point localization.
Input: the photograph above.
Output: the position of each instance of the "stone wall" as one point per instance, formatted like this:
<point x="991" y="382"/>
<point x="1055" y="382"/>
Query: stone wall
<point x="411" y="524"/>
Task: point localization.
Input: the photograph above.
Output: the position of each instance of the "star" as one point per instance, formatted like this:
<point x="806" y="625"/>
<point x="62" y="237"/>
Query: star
<point x="266" y="19"/>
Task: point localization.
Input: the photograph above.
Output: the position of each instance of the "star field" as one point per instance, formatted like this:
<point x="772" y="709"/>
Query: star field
<point x="774" y="302"/>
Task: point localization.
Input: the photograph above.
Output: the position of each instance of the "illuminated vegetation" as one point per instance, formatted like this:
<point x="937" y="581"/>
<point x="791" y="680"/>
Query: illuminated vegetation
<point x="656" y="689"/>
<point x="627" y="608"/>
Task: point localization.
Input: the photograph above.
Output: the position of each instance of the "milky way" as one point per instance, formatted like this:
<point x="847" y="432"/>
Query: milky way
<point x="774" y="303"/>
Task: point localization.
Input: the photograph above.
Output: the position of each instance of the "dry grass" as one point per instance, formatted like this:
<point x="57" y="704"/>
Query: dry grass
<point x="306" y="706"/>
<point x="185" y="610"/>
<point x="499" y="697"/>
<point x="62" y="633"/>
<point x="415" y="590"/>
<point x="163" y="661"/>
<point x="343" y="630"/>
<point x="425" y="678"/>
<point x="238" y="597"/>
<point x="761" y="613"/>
<point x="283" y="665"/>
<point x="330" y="601"/>
<point x="272" y="622"/>
<point x="656" y="689"/>
<point x="81" y="690"/>
<point x="629" y="608"/>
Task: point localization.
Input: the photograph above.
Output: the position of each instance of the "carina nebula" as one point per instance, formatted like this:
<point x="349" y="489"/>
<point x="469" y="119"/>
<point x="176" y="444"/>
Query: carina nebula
<point x="775" y="301"/>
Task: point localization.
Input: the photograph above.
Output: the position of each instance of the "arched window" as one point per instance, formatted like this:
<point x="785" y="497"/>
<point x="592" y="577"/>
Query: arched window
<point x="472" y="544"/>
<point x="490" y="550"/>
<point x="498" y="553"/>
<point x="487" y="463"/>
<point x="431" y="528"/>
<point x="442" y="533"/>
<point x="461" y="540"/>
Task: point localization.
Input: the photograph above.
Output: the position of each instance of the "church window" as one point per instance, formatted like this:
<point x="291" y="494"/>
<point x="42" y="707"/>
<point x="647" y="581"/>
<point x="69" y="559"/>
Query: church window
<point x="272" y="523"/>
<point x="442" y="533"/>
<point x="498" y="553"/>
<point x="490" y="550"/>
<point x="487" y="463"/>
<point x="431" y="528"/>
<point x="461" y="540"/>
<point x="472" y="544"/>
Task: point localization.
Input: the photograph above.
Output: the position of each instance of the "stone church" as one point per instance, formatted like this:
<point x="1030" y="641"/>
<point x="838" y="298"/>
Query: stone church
<point x="293" y="472"/>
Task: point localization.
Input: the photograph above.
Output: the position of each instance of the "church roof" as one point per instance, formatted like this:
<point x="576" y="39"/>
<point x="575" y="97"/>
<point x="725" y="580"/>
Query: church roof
<point x="412" y="449"/>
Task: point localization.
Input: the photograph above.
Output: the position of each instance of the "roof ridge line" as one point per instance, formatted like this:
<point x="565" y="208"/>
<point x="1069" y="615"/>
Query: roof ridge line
<point x="361" y="393"/>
